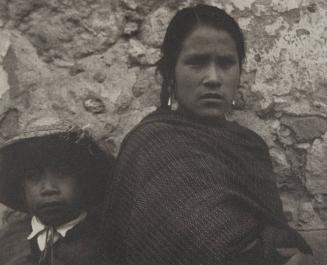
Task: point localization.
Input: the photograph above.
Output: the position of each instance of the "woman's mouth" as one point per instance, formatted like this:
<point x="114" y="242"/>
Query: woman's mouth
<point x="211" y="97"/>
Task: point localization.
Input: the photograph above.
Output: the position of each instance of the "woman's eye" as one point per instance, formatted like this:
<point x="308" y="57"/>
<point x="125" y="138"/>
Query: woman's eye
<point x="196" y="61"/>
<point x="226" y="63"/>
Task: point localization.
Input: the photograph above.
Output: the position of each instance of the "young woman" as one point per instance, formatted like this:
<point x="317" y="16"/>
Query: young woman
<point x="189" y="186"/>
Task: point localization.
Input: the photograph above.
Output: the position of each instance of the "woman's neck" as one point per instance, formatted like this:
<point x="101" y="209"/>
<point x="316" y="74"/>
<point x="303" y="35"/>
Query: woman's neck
<point x="206" y="120"/>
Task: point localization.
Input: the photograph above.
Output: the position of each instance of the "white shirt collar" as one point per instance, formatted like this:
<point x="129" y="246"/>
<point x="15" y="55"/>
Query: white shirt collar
<point x="39" y="229"/>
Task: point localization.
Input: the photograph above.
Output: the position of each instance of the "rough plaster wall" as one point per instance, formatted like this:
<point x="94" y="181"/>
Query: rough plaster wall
<point x="93" y="61"/>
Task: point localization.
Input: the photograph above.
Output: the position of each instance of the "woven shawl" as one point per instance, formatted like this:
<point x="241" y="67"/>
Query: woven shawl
<point x="188" y="192"/>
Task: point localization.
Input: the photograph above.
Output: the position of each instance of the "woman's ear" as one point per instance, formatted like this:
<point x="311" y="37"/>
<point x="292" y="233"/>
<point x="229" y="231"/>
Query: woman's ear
<point x="173" y="99"/>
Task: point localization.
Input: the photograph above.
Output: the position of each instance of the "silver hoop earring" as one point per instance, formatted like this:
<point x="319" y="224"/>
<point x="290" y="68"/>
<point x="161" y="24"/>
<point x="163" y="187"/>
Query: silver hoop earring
<point x="233" y="102"/>
<point x="169" y="102"/>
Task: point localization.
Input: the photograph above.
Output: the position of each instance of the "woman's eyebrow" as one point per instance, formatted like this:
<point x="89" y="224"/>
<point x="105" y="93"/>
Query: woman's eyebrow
<point x="196" y="55"/>
<point x="204" y="55"/>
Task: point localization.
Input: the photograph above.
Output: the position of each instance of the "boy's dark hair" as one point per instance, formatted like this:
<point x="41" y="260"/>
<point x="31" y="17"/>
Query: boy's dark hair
<point x="181" y="25"/>
<point x="62" y="153"/>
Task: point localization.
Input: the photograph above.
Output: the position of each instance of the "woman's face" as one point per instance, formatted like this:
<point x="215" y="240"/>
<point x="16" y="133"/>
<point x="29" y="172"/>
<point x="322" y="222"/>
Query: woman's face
<point x="207" y="73"/>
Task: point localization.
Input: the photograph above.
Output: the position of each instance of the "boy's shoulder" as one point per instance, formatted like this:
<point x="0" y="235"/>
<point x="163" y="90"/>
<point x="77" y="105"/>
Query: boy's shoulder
<point x="90" y="226"/>
<point x="13" y="240"/>
<point x="80" y="239"/>
<point x="15" y="227"/>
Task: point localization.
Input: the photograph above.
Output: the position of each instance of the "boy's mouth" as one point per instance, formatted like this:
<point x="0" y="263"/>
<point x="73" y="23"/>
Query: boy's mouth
<point x="51" y="206"/>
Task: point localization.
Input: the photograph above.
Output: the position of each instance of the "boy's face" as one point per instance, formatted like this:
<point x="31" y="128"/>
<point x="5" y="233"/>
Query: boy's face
<point x="54" y="196"/>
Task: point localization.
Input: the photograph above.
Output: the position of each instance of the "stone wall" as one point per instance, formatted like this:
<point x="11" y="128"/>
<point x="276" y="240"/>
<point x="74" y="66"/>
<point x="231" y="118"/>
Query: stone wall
<point x="93" y="61"/>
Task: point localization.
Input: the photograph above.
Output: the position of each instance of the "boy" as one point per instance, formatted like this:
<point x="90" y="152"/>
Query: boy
<point x="56" y="174"/>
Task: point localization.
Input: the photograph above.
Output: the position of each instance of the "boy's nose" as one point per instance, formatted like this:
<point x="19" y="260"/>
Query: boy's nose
<point x="49" y="185"/>
<point x="49" y="189"/>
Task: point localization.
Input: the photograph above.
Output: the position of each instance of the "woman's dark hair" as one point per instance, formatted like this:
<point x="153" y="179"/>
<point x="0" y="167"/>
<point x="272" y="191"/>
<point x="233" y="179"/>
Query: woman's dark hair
<point x="181" y="25"/>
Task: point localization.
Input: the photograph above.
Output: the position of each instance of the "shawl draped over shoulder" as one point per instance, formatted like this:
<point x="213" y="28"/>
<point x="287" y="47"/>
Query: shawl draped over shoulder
<point x="185" y="192"/>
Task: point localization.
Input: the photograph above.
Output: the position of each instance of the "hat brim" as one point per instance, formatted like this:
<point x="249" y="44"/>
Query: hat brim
<point x="10" y="191"/>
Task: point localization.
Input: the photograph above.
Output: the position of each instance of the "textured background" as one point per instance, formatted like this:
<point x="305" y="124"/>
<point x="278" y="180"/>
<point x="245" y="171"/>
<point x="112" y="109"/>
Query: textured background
<point x="93" y="61"/>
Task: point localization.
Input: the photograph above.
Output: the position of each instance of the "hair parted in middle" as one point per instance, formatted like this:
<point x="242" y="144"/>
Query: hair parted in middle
<point x="179" y="28"/>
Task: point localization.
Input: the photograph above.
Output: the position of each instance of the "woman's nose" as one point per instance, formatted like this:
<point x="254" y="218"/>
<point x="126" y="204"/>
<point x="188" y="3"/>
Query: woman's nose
<point x="212" y="78"/>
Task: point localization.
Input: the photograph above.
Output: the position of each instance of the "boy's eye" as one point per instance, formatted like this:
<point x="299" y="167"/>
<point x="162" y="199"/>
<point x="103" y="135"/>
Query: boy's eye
<point x="65" y="169"/>
<point x="64" y="175"/>
<point x="32" y="174"/>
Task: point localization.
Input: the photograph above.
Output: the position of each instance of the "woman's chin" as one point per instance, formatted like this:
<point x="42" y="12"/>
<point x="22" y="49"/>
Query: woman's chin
<point x="210" y="114"/>
<point x="205" y="111"/>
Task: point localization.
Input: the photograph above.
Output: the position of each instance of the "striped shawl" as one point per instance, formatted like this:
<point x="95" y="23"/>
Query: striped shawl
<point x="188" y="192"/>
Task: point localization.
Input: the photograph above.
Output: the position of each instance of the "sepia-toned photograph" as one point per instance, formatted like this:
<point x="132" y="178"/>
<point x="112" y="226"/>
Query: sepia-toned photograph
<point x="163" y="132"/>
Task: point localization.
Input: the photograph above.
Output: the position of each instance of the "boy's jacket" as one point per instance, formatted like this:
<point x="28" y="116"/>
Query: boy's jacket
<point x="76" y="248"/>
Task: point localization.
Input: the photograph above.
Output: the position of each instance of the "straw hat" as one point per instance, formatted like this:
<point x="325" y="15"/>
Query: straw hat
<point x="52" y="130"/>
